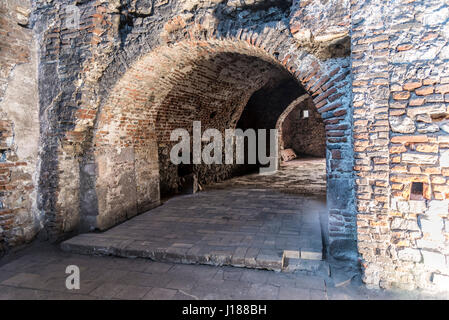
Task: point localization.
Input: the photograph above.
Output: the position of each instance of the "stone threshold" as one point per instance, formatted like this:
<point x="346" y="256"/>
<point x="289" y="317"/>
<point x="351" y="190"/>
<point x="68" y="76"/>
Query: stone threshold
<point x="254" y="258"/>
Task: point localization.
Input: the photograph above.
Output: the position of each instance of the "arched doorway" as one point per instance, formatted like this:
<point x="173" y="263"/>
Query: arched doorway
<point x="226" y="86"/>
<point x="169" y="89"/>
<point x="124" y="163"/>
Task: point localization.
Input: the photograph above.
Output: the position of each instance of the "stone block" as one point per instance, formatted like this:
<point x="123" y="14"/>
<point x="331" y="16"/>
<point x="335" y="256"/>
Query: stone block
<point x="419" y="158"/>
<point x="434" y="260"/>
<point x="441" y="281"/>
<point x="437" y="17"/>
<point x="292" y="265"/>
<point x="402" y="206"/>
<point x="269" y="259"/>
<point x="190" y="184"/>
<point x="344" y="249"/>
<point x="428" y="244"/>
<point x="438" y="207"/>
<point x="410" y="254"/>
<point x="238" y="258"/>
<point x="292" y="254"/>
<point x="339" y="193"/>
<point x="288" y="155"/>
<point x="311" y="254"/>
<point x="444" y="158"/>
<point x="402" y="124"/>
<point x="250" y="257"/>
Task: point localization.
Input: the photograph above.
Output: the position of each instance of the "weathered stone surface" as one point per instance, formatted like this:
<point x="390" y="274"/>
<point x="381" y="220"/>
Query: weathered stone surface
<point x="404" y="224"/>
<point x="441" y="281"/>
<point x="321" y="25"/>
<point x="432" y="226"/>
<point x="419" y="158"/>
<point x="303" y="130"/>
<point x="434" y="260"/>
<point x="402" y="124"/>
<point x="438" y="207"/>
<point x="20" y="220"/>
<point x="344" y="250"/>
<point x="445" y="126"/>
<point x="341" y="277"/>
<point x="81" y="66"/>
<point x="310" y="254"/>
<point x="444" y="158"/>
<point x="409" y="254"/>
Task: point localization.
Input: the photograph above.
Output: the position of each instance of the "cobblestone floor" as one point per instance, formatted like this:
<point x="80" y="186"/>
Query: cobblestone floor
<point x="300" y="176"/>
<point x="38" y="272"/>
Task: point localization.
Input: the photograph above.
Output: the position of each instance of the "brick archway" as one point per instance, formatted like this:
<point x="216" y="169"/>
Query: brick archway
<point x="386" y="125"/>
<point x="96" y="130"/>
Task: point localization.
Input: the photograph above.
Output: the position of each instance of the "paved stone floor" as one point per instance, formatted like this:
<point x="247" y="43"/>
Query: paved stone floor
<point x="258" y="211"/>
<point x="259" y="221"/>
<point x="299" y="176"/>
<point x="38" y="272"/>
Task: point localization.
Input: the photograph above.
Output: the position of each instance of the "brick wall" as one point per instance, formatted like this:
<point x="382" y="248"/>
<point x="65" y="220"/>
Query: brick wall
<point x="401" y="144"/>
<point x="19" y="128"/>
<point x="304" y="133"/>
<point x="112" y="88"/>
<point x="109" y="46"/>
<point x="182" y="88"/>
<point x="419" y="144"/>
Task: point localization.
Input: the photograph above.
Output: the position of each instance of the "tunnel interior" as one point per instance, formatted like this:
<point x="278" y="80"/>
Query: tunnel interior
<point x="227" y="91"/>
<point x="221" y="87"/>
<point x="303" y="131"/>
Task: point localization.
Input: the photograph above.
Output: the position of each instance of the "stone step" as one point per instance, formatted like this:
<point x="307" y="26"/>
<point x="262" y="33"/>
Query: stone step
<point x="304" y="254"/>
<point x="306" y="259"/>
<point x="260" y="233"/>
<point x="315" y="266"/>
<point x="286" y="261"/>
<point x="260" y="259"/>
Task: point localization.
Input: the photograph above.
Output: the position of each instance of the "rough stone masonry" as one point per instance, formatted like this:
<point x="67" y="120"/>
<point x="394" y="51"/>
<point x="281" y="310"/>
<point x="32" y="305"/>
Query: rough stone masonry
<point x="86" y="110"/>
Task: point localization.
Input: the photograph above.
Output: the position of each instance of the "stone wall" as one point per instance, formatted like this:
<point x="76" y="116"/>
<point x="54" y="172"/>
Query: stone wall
<point x="19" y="127"/>
<point x="112" y="87"/>
<point x="400" y="109"/>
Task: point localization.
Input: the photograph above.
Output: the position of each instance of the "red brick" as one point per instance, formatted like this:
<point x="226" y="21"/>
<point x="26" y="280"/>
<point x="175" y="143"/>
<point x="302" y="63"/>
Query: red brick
<point x="417" y="102"/>
<point x="409" y="139"/>
<point x="402" y="95"/>
<point x="410" y="86"/>
<point x="404" y="47"/>
<point x="424" y="91"/>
